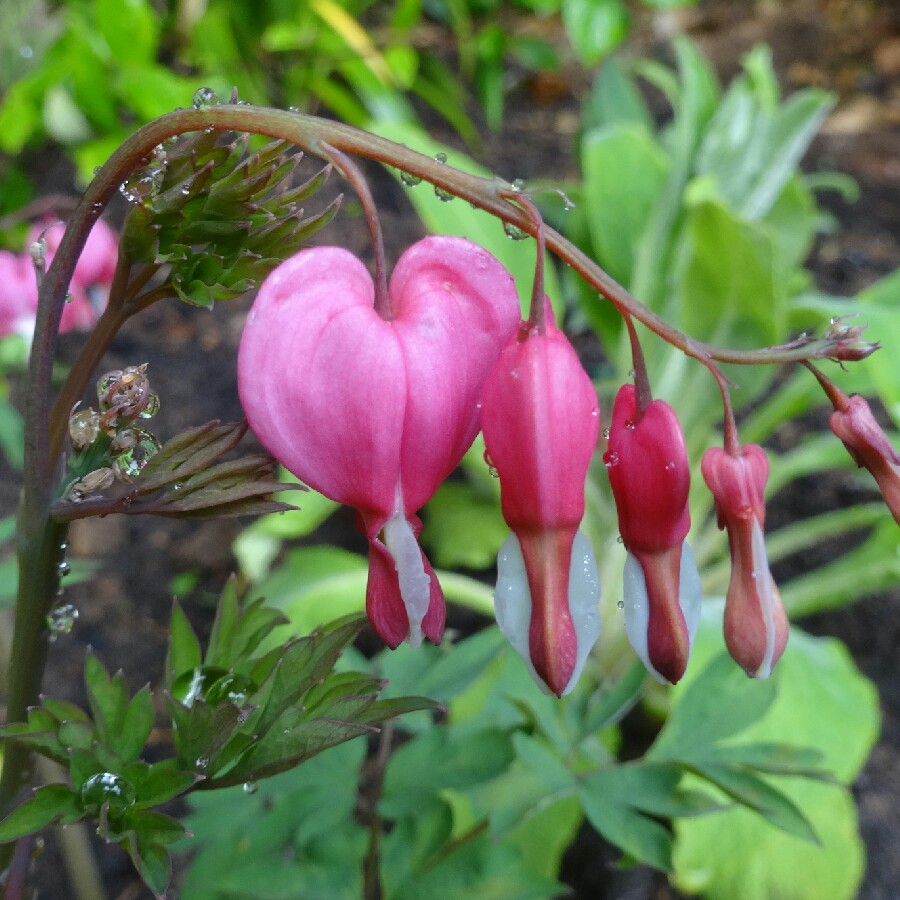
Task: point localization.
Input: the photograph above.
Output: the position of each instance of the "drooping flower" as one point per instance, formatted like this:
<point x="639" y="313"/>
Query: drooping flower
<point x="88" y="291"/>
<point x="756" y="627"/>
<point x="376" y="412"/>
<point x="540" y="421"/>
<point x="650" y="478"/>
<point x="16" y="289"/>
<point x="852" y="421"/>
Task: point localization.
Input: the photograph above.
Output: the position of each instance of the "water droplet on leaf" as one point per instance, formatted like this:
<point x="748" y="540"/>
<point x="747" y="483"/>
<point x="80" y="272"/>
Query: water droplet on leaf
<point x="621" y="604"/>
<point x="250" y="787"/>
<point x="204" y="98"/>
<point x="513" y="232"/>
<point x="61" y="619"/>
<point x="107" y="788"/>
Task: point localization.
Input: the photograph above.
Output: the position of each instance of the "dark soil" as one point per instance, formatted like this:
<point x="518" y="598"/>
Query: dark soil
<point x="850" y="47"/>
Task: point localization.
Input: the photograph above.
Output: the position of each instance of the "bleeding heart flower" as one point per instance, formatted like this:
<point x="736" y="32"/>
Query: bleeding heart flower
<point x="650" y="478"/>
<point x="376" y="412"/>
<point x="540" y="421"/>
<point x="756" y="627"/>
<point x="852" y="421"/>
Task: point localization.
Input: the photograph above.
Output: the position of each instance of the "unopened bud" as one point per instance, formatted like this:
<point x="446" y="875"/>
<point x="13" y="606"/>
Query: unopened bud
<point x="84" y="427"/>
<point x="92" y="483"/>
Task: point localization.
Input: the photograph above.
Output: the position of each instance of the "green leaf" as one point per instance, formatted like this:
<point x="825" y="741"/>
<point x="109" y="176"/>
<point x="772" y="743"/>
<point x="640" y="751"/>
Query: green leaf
<point x="316" y="584"/>
<point x="463" y="528"/>
<point x="717" y="703"/>
<point x="822" y="703"/>
<point x="878" y="307"/>
<point x="613" y="702"/>
<point x="624" y="172"/>
<point x="594" y="27"/>
<point x="726" y="279"/>
<point x="621" y="824"/>
<point x="51" y="803"/>
<point x="136" y="726"/>
<point x="754" y="793"/>
<point x="11" y="434"/>
<point x="130" y="28"/>
<point x="108" y="699"/>
<point x="442" y="758"/>
<point x="184" y="652"/>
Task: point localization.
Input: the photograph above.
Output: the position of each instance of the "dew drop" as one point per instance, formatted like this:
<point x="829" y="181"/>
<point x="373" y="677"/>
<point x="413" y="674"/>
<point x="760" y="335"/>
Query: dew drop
<point x="442" y="194"/>
<point x="63" y="569"/>
<point x="110" y="790"/>
<point x="409" y="179"/>
<point x="518" y="184"/>
<point x="61" y="620"/>
<point x="670" y="465"/>
<point x="70" y="298"/>
<point x="26" y="52"/>
<point x="201" y="762"/>
<point x="606" y="433"/>
<point x="128" y="464"/>
<point x="513" y="232"/>
<point x="621" y="604"/>
<point x="204" y="98"/>
<point x="151" y="408"/>
<point x="610" y="459"/>
<point x="250" y="787"/>
<point x="440" y="158"/>
<point x="620" y="539"/>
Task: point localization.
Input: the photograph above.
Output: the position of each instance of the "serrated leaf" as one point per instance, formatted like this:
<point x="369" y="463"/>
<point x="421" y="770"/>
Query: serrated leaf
<point x="184" y="647"/>
<point x="136" y="727"/>
<point x="162" y="782"/>
<point x="50" y="803"/>
<point x="291" y="740"/>
<point x="108" y="699"/>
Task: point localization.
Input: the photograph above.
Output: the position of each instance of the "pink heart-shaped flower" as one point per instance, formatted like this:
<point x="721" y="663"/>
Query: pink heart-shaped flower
<point x="372" y="412"/>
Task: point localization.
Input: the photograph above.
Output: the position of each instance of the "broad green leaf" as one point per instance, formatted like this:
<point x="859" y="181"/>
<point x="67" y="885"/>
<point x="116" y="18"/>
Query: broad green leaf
<point x="615" y="100"/>
<point x="624" y="170"/>
<point x="463" y="528"/>
<point x="315" y="585"/>
<point x="725" y="283"/>
<point x="823" y="703"/>
<point x="718" y="702"/>
<point x="878" y="306"/>
<point x="130" y="28"/>
<point x="594" y="27"/>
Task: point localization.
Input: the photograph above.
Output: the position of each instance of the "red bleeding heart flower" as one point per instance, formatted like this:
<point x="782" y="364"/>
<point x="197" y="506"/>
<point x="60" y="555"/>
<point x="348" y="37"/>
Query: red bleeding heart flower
<point x="650" y="478"/>
<point x="756" y="627"/>
<point x="540" y="421"/>
<point x="375" y="412"/>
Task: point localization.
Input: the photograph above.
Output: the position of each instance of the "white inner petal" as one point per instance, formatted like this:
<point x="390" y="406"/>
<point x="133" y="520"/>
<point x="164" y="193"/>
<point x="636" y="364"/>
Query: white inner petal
<point x="512" y="603"/>
<point x="762" y="579"/>
<point x="690" y="591"/>
<point x="415" y="584"/>
<point x="637" y="605"/>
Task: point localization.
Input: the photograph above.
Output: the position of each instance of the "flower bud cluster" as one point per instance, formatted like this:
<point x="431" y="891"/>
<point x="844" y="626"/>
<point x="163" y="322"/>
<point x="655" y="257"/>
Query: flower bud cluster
<point x="109" y="442"/>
